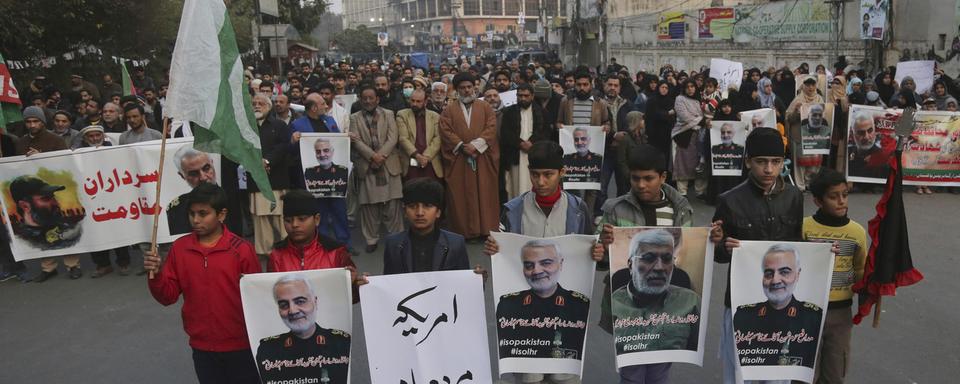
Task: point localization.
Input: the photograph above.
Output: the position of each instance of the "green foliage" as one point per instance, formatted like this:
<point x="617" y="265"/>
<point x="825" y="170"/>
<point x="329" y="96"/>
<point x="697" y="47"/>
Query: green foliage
<point x="359" y="40"/>
<point x="303" y="15"/>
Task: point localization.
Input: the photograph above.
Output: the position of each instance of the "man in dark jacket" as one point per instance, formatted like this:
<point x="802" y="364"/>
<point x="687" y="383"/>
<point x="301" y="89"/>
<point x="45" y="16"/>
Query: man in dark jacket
<point x="516" y="138"/>
<point x="763" y="207"/>
<point x="274" y="146"/>
<point x="424" y="247"/>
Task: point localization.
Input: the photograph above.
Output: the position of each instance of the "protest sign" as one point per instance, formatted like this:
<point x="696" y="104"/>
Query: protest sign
<point x="345" y="101"/>
<point x="325" y="158"/>
<point x="729" y="74"/>
<point x="716" y="23"/>
<point x="660" y="280"/>
<point x="816" y="128"/>
<point x="933" y="156"/>
<point x="871" y="140"/>
<point x="779" y="293"/>
<point x="920" y="70"/>
<point x="541" y="292"/>
<point x="873" y="19"/>
<point x="93" y="199"/>
<point x="299" y="325"/>
<point x="508" y="98"/>
<point x="759" y="118"/>
<point x="583" y="148"/>
<point x="423" y="327"/>
<point x="727" y="155"/>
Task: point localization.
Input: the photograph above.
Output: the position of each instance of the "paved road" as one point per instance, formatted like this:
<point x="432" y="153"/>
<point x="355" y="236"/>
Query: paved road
<point x="111" y="331"/>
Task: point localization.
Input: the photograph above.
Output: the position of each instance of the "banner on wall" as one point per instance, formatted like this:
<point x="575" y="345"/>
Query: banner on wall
<point x="716" y="23"/>
<point x="873" y="19"/>
<point x="671" y="26"/>
<point x="801" y="20"/>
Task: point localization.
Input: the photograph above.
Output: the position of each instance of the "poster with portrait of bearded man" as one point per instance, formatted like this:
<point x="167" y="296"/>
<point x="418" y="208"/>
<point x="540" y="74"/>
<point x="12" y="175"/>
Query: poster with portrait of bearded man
<point x="779" y="294"/>
<point x="326" y="163"/>
<point x="582" y="156"/>
<point x="542" y="289"/>
<point x="299" y="325"/>
<point x="660" y="280"/>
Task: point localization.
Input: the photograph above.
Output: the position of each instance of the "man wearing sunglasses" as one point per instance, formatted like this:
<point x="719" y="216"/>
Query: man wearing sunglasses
<point x="649" y="294"/>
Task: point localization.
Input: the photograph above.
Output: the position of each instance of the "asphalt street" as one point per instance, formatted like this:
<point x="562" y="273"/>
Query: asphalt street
<point x="110" y="330"/>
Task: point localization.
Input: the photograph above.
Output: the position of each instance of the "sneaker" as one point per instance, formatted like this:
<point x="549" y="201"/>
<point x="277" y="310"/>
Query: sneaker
<point x="44" y="276"/>
<point x="371" y="248"/>
<point x="75" y="273"/>
<point x="4" y="276"/>
<point x="24" y="276"/>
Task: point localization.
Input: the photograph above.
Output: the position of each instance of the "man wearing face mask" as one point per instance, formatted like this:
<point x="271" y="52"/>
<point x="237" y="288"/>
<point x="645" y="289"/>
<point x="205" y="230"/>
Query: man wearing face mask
<point x="471" y="154"/>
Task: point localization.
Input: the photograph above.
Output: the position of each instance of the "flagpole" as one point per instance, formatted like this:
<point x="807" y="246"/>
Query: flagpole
<point x="876" y="312"/>
<point x="156" y="204"/>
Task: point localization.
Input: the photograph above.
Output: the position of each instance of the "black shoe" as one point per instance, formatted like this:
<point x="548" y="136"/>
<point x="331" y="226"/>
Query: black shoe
<point x="44" y="276"/>
<point x="371" y="248"/>
<point x="75" y="273"/>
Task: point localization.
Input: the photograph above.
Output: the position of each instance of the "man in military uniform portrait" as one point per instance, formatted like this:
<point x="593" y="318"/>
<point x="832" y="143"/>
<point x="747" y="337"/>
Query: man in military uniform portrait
<point x="195" y="167"/>
<point x="866" y="156"/>
<point x="815" y="130"/>
<point x="582" y="165"/>
<point x="781" y="330"/>
<point x="521" y="315"/>
<point x="328" y="349"/>
<point x="757" y="121"/>
<point x="651" y="262"/>
<point x="41" y="221"/>
<point x="727" y="155"/>
<point x="327" y="179"/>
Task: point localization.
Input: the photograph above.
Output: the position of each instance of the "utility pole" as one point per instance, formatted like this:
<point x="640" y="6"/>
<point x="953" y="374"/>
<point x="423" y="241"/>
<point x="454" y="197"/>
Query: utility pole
<point x="837" y="13"/>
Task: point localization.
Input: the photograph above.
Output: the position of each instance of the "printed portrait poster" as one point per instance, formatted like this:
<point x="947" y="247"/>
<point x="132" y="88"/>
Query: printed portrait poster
<point x="816" y="128"/>
<point x="759" y="118"/>
<point x="345" y="101"/>
<point x="326" y="163"/>
<point x="658" y="300"/>
<point x="427" y="327"/>
<point x="508" y="98"/>
<point x="779" y="293"/>
<point x="873" y="19"/>
<point x="583" y="148"/>
<point x="726" y="154"/>
<point x="299" y="325"/>
<point x="542" y="289"/>
<point x="932" y="157"/>
<point x="871" y="141"/>
<point x="94" y="199"/>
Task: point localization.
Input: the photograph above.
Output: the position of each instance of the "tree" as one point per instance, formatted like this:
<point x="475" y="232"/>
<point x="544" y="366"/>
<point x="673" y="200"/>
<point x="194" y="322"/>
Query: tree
<point x="303" y="15"/>
<point x="359" y="40"/>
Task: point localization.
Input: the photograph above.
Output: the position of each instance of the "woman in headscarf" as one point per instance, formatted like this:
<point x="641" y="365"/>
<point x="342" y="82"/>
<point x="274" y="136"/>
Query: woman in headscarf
<point x="907" y="86"/>
<point x="785" y="86"/>
<point x="855" y="93"/>
<point x="634" y="135"/>
<point x="686" y="140"/>
<point x="803" y="164"/>
<point x="769" y="99"/>
<point x="659" y="117"/>
<point x="748" y="97"/>
<point x="886" y="87"/>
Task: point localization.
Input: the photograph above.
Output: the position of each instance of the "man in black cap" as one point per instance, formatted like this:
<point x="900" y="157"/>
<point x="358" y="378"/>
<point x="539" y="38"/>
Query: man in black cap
<point x="42" y="223"/>
<point x="424" y="247"/>
<point x="763" y="207"/>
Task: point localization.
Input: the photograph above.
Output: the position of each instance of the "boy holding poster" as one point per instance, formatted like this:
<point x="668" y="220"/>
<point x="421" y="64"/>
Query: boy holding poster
<point x="205" y="267"/>
<point x="831" y="223"/>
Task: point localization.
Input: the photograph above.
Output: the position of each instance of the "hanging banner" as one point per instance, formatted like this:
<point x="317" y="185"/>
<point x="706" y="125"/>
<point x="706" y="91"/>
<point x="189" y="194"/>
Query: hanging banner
<point x="933" y="155"/>
<point x="873" y="19"/>
<point x="801" y="20"/>
<point x="583" y="148"/>
<point x="727" y="155"/>
<point x="94" y="199"/>
<point x="779" y="293"/>
<point x="671" y="26"/>
<point x="716" y="23"/>
<point x="660" y="279"/>
<point x="541" y="291"/>
<point x="816" y="128"/>
<point x="729" y="74"/>
<point x="424" y="327"/>
<point x="871" y="140"/>
<point x="326" y="163"/>
<point x="299" y="325"/>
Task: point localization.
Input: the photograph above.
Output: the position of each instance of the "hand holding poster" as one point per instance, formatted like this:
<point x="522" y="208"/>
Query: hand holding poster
<point x="326" y="163"/>
<point x="421" y="327"/>
<point x="660" y="292"/>
<point x="920" y="70"/>
<point x="729" y="74"/>
<point x="92" y="199"/>
<point x="871" y="141"/>
<point x="727" y="154"/>
<point x="816" y="128"/>
<point x="542" y="289"/>
<point x="779" y="292"/>
<point x="299" y="325"/>
<point x="583" y="148"/>
<point x="508" y="98"/>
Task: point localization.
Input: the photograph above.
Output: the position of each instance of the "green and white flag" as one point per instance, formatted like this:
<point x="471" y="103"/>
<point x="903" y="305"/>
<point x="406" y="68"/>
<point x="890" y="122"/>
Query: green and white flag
<point x="206" y="87"/>
<point x="9" y="97"/>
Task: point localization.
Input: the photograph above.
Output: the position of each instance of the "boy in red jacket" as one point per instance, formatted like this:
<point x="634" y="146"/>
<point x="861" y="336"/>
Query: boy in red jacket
<point x="205" y="266"/>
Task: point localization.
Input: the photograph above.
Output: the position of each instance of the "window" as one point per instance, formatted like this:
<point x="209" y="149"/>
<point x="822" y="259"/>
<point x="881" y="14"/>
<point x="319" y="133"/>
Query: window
<point x="533" y="8"/>
<point x="471" y="7"/>
<point x="512" y="7"/>
<point x="431" y="8"/>
<point x="444" y="8"/>
<point x="493" y="7"/>
<point x="551" y="6"/>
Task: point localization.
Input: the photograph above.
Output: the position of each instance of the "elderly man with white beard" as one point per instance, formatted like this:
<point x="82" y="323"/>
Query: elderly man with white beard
<point x="757" y="326"/>
<point x="277" y="355"/>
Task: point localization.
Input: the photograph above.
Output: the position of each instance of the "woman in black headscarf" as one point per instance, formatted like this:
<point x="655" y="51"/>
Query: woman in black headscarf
<point x="660" y="117"/>
<point x="748" y="98"/>
<point x="886" y="86"/>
